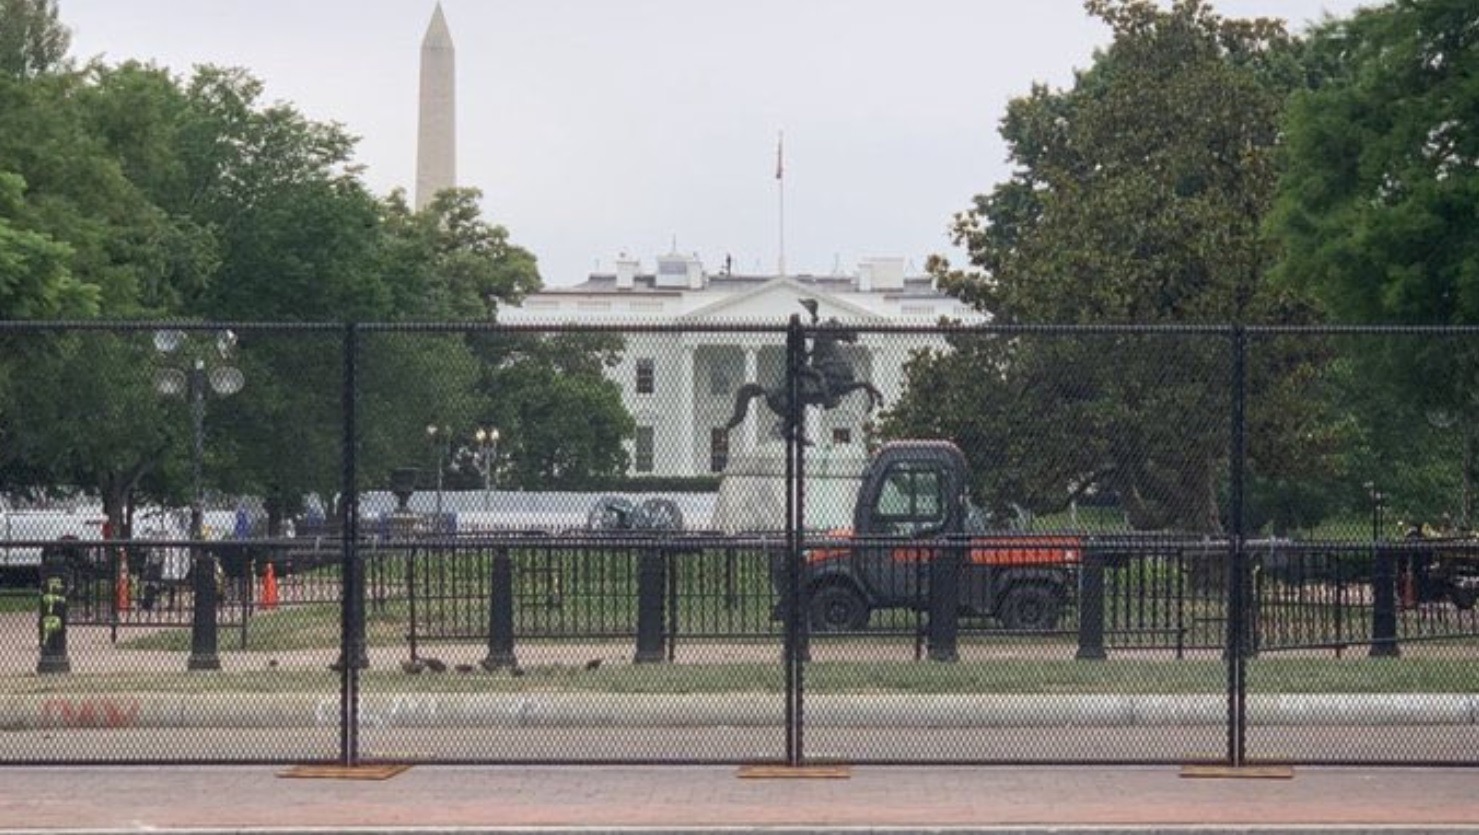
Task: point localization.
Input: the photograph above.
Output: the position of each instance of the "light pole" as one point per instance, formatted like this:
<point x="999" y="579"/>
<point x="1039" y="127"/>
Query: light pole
<point x="440" y="437"/>
<point x="487" y="451"/>
<point x="192" y="382"/>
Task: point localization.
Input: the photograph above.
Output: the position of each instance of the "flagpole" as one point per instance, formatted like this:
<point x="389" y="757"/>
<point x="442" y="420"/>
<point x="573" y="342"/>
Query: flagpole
<point x="780" y="182"/>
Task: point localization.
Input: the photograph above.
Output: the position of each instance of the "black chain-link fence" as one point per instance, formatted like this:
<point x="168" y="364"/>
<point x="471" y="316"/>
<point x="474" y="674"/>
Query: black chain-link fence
<point x="439" y="543"/>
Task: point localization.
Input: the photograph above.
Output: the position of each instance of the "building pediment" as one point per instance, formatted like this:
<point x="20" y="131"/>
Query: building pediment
<point x="775" y="301"/>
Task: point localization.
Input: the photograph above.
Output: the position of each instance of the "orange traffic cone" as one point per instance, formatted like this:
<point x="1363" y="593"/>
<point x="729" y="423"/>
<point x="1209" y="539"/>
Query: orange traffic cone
<point x="120" y="591"/>
<point x="269" y="587"/>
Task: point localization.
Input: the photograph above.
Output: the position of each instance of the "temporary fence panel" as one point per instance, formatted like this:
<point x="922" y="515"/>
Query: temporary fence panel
<point x="192" y="628"/>
<point x="555" y="588"/>
<point x="733" y="543"/>
<point x="952" y="626"/>
<point x="1364" y="570"/>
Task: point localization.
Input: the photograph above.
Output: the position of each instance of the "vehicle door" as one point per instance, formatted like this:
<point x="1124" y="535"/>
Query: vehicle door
<point x="909" y="514"/>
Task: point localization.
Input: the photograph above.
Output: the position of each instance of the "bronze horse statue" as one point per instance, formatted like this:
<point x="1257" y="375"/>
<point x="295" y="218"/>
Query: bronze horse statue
<point x="826" y="378"/>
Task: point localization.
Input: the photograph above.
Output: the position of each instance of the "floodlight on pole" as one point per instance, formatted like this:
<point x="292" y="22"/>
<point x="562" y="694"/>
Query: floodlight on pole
<point x="487" y="453"/>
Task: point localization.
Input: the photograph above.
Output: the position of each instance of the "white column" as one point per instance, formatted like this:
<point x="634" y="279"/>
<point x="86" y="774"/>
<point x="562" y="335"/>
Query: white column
<point x="751" y="427"/>
<point x="687" y="422"/>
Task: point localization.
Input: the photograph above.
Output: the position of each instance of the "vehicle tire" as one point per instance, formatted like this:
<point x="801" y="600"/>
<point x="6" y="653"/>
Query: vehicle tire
<point x="838" y="608"/>
<point x="1029" y="607"/>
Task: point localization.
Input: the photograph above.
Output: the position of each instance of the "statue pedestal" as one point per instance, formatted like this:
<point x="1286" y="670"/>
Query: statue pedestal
<point x="752" y="489"/>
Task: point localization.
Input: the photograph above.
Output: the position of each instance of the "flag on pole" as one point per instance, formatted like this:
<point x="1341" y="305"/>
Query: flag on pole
<point x="779" y="143"/>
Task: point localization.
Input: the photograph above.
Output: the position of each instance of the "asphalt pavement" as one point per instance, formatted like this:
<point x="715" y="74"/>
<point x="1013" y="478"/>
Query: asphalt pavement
<point x="688" y="799"/>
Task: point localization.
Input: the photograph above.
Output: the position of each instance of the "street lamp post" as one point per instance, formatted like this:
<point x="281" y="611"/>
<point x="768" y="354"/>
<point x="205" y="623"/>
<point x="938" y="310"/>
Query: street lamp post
<point x="487" y="451"/>
<point x="440" y="437"/>
<point x="192" y="382"/>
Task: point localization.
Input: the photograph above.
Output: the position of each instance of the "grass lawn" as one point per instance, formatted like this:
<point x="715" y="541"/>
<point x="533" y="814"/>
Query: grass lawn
<point x="1008" y="676"/>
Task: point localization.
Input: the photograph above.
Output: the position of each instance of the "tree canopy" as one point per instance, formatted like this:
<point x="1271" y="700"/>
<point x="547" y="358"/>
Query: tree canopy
<point x="32" y="38"/>
<point x="130" y="193"/>
<point x="1376" y="219"/>
<point x="1380" y="196"/>
<point x="1138" y="197"/>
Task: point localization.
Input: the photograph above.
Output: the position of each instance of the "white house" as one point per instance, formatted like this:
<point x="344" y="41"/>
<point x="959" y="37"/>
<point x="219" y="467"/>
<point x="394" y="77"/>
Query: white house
<point x="681" y="387"/>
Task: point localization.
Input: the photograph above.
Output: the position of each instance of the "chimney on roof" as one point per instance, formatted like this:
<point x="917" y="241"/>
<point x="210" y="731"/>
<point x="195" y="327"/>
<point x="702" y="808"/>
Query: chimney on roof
<point x="680" y="272"/>
<point x="626" y="271"/>
<point x="880" y="275"/>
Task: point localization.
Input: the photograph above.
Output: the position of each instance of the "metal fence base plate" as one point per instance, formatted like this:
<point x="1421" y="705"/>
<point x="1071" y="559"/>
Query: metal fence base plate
<point x="345" y="772"/>
<point x="781" y="771"/>
<point x="1248" y="772"/>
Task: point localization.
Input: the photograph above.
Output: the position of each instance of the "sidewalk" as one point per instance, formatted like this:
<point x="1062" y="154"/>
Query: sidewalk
<point x="652" y="799"/>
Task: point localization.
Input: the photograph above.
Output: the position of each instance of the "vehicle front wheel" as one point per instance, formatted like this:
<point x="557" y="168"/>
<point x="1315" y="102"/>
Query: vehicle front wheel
<point x="1031" y="607"/>
<point x="838" y="608"/>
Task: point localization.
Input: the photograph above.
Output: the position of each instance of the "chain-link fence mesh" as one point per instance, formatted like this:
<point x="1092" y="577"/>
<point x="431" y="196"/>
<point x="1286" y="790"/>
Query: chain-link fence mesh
<point x="153" y="482"/>
<point x="508" y="544"/>
<point x="1366" y="574"/>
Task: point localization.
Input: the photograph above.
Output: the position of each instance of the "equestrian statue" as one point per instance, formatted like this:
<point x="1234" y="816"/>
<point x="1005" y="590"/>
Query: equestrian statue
<point x="826" y="377"/>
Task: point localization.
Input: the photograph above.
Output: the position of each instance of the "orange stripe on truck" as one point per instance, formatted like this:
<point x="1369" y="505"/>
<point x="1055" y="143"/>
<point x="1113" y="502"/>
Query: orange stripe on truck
<point x="1027" y="550"/>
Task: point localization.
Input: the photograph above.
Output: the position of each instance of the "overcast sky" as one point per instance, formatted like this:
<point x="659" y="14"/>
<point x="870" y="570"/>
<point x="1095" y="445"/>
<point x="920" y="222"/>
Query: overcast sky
<point x="596" y="127"/>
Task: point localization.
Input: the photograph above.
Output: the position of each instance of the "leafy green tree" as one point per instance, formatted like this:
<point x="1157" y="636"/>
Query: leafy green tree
<point x="562" y="422"/>
<point x="77" y="193"/>
<point x="128" y="192"/>
<point x="1377" y="204"/>
<point x="90" y="419"/>
<point x="1376" y="213"/>
<point x="561" y="417"/>
<point x="1138" y="198"/>
<point x="448" y="263"/>
<point x="32" y="39"/>
<point x="35" y="282"/>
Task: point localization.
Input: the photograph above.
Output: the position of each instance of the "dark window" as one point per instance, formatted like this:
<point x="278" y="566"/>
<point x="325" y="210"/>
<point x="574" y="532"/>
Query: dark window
<point x="725" y="372"/>
<point x="644" y="449"/>
<point x="719" y="382"/>
<point x="645" y="376"/>
<point x="912" y="499"/>
<point x="842" y="436"/>
<point x="718" y="449"/>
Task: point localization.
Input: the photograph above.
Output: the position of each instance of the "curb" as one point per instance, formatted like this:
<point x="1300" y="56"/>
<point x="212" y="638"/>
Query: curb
<point x="746" y="710"/>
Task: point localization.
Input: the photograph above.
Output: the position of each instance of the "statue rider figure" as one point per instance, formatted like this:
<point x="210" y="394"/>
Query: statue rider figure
<point x="826" y="375"/>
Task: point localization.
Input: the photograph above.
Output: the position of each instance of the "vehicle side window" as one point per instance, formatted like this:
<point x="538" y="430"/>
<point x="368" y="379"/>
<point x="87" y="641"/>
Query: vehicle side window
<point x="911" y="500"/>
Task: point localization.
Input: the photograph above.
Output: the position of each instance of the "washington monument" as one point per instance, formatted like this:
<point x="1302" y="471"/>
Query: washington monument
<point x="436" y="137"/>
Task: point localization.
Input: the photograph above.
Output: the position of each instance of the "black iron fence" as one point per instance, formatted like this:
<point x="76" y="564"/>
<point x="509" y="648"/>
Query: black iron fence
<point x="494" y="544"/>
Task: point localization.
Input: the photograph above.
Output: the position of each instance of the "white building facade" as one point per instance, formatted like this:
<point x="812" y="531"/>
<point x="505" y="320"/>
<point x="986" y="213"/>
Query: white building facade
<point x="681" y="387"/>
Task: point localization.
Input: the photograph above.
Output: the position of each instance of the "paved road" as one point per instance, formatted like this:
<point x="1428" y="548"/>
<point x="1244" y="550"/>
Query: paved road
<point x="714" y="798"/>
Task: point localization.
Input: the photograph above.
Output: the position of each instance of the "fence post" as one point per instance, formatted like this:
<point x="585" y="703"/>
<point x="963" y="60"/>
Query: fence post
<point x="797" y="647"/>
<point x="1237" y="570"/>
<point x="501" y="614"/>
<point x="670" y="572"/>
<point x="1384" y="604"/>
<point x="353" y="654"/>
<point x="651" y="580"/>
<point x="944" y="626"/>
<point x="1091" y="608"/>
<point x="203" y="611"/>
<point x="51" y="622"/>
